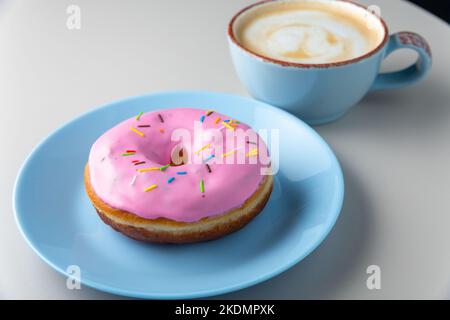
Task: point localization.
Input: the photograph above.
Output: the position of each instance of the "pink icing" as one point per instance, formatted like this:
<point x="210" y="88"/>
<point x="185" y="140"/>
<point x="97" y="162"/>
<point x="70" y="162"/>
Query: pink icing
<point x="117" y="182"/>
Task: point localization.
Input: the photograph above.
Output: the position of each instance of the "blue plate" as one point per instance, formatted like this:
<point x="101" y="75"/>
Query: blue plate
<point x="58" y="221"/>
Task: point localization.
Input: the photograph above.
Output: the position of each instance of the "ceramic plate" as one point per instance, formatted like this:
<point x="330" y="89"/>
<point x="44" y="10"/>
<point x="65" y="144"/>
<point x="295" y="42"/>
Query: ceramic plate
<point x="58" y="221"/>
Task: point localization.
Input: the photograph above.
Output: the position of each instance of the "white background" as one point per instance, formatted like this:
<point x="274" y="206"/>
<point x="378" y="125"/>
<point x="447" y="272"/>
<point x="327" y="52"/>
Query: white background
<point x="394" y="146"/>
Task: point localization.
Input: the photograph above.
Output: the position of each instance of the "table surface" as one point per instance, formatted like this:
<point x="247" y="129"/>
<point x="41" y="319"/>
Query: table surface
<point x="393" y="146"/>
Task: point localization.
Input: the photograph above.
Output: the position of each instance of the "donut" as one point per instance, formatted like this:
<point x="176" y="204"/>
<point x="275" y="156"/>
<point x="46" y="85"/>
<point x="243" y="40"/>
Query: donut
<point x="178" y="176"/>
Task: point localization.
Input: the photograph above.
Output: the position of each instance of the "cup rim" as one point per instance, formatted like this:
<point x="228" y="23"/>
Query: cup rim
<point x="282" y="63"/>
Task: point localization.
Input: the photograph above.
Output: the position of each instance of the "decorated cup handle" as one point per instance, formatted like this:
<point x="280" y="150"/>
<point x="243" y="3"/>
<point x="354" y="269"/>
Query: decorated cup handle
<point x="411" y="74"/>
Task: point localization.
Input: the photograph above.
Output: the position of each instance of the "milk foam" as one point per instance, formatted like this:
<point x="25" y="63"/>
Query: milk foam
<point x="307" y="35"/>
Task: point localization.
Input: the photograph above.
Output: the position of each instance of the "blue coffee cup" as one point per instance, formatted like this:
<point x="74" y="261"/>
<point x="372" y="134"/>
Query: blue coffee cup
<point x="321" y="93"/>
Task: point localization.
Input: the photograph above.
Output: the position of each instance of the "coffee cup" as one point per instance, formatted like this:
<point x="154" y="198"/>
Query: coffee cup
<point x="318" y="58"/>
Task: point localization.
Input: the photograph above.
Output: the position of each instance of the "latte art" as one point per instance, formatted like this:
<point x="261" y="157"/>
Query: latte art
<point x="316" y="39"/>
<point x="307" y="32"/>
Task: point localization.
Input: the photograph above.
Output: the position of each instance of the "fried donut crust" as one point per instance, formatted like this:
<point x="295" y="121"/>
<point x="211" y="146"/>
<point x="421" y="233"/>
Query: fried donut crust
<point x="163" y="230"/>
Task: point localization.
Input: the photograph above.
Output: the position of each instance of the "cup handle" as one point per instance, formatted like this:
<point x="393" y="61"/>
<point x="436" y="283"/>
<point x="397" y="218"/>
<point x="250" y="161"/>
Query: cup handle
<point x="411" y="74"/>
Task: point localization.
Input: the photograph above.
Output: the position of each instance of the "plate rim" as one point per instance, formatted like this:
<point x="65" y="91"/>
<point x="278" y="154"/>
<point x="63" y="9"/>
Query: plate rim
<point x="337" y="208"/>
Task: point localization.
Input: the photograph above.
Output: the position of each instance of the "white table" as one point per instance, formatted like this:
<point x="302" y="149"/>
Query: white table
<point x="394" y="147"/>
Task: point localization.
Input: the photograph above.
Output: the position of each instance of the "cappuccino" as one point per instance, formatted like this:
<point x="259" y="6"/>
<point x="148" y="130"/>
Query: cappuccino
<point x="309" y="31"/>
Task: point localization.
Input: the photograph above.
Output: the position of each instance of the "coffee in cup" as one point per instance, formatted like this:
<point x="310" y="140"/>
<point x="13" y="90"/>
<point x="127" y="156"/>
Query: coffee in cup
<point x="318" y="58"/>
<point x="309" y="31"/>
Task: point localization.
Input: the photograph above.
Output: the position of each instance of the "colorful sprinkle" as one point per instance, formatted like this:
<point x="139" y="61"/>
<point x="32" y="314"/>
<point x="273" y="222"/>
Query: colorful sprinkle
<point x="170" y="179"/>
<point x="181" y="172"/>
<point x="231" y="122"/>
<point x="253" y="152"/>
<point x="227" y="125"/>
<point x="160" y="118"/>
<point x="209" y="158"/>
<point x="202" y="186"/>
<point x="251" y="142"/>
<point x="161" y="130"/>
<point x="133" y="180"/>
<point x="144" y="126"/>
<point x="128" y="154"/>
<point x="153" y="186"/>
<point x="202" y="118"/>
<point x="139" y="115"/>
<point x="205" y="147"/>
<point x="164" y="167"/>
<point x="217" y="120"/>
<point x="137" y="132"/>
<point x="139" y="163"/>
<point x="228" y="154"/>
<point x="148" y="169"/>
<point x="209" y="112"/>
<point x="131" y="151"/>
<point x="208" y="168"/>
<point x="135" y="161"/>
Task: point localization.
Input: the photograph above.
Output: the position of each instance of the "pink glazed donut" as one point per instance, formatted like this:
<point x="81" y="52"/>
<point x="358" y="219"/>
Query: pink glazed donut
<point x="178" y="176"/>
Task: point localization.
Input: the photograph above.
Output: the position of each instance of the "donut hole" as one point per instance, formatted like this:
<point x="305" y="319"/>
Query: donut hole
<point x="179" y="156"/>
